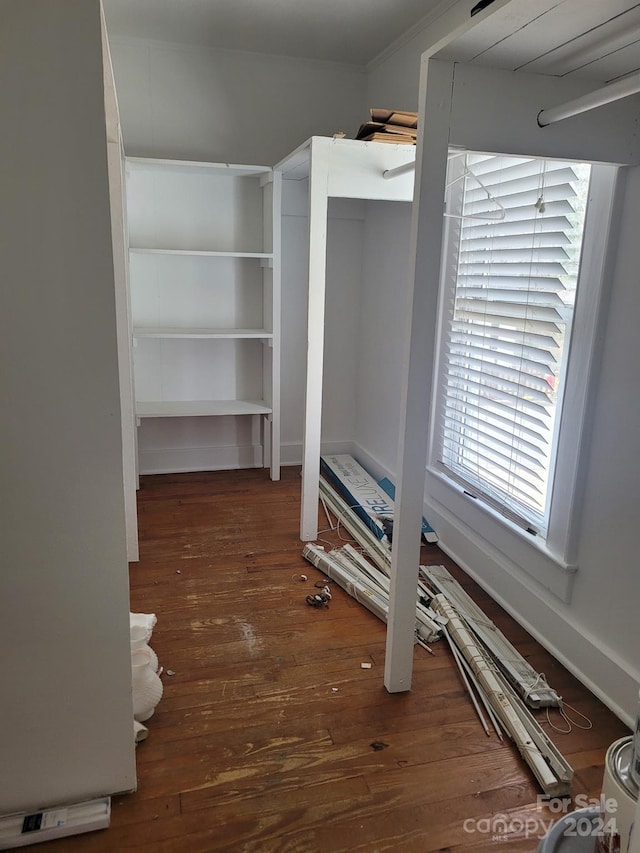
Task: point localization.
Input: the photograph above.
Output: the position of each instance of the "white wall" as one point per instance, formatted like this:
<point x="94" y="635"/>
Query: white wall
<point x="343" y="311"/>
<point x="195" y="103"/>
<point x="384" y="307"/>
<point x="66" y="710"/>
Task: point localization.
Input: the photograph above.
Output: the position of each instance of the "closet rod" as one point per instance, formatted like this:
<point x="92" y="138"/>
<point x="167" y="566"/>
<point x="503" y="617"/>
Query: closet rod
<point x="612" y="92"/>
<point x="399" y="170"/>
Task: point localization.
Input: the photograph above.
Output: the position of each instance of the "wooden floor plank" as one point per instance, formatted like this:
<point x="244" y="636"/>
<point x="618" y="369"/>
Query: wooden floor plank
<point x="262" y="742"/>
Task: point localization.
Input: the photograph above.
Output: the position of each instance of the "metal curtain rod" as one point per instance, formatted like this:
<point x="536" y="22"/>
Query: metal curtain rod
<point x="613" y="92"/>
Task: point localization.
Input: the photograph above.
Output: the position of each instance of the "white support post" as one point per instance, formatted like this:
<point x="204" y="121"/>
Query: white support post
<point x="266" y="441"/>
<point x="272" y="429"/>
<point x="256" y="441"/>
<point x="318" y="207"/>
<point x="436" y="81"/>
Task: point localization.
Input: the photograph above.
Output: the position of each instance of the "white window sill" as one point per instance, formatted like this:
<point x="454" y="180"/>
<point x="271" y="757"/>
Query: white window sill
<point x="518" y="551"/>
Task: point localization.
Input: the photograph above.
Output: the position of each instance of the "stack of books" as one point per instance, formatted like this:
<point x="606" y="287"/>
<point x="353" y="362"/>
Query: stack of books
<point x="395" y="126"/>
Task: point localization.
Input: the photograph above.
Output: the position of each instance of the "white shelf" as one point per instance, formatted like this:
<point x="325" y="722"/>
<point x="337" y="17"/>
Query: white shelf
<point x="200" y="253"/>
<point x="199" y="408"/>
<point x="204" y="257"/>
<point x="229" y="170"/>
<point x="172" y="332"/>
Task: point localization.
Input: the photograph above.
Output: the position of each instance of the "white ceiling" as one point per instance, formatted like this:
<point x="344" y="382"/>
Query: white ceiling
<point x="352" y="31"/>
<point x="595" y="39"/>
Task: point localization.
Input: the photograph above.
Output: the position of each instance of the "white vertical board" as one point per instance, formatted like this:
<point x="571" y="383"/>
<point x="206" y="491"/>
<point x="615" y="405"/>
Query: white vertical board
<point x="115" y="167"/>
<point x="273" y="220"/>
<point x="426" y="240"/>
<point x="318" y="207"/>
<point x="356" y="169"/>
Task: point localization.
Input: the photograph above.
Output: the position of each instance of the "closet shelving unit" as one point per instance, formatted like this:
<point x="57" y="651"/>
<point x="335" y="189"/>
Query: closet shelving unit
<point x="334" y="168"/>
<point x="204" y="252"/>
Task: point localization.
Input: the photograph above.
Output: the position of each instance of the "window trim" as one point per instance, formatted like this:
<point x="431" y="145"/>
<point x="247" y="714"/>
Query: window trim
<point x="552" y="560"/>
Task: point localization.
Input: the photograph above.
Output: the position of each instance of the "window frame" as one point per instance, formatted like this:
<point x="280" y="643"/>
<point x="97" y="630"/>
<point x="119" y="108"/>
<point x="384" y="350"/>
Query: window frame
<point x="550" y="559"/>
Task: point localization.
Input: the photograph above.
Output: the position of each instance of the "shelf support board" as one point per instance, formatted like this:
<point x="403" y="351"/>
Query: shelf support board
<point x="318" y="209"/>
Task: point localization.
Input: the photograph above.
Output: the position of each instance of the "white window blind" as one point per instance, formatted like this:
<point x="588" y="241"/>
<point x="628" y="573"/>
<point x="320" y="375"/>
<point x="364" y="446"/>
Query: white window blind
<point x="513" y="257"/>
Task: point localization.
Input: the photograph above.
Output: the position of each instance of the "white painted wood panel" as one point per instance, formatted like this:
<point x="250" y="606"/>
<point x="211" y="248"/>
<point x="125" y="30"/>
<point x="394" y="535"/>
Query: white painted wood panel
<point x="119" y="239"/>
<point x="201" y="253"/>
<point x="184" y="369"/>
<point x="495" y="29"/>
<point x="193" y="210"/>
<point x="561" y="23"/>
<point x="188" y="291"/>
<point x="612" y="66"/>
<point x="419" y="338"/>
<point x="272" y="319"/>
<point x="318" y="206"/>
<point x="356" y="169"/>
<point x="199" y="408"/>
<point x="496" y="111"/>
<point x="175" y="332"/>
<point x="578" y="53"/>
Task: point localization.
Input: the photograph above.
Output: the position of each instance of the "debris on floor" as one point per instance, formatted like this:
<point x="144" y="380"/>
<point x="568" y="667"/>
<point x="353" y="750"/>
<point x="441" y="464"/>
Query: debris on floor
<point x="372" y="500"/>
<point x="497" y="678"/>
<point x="503" y="705"/>
<point x="531" y="685"/>
<point x="351" y="571"/>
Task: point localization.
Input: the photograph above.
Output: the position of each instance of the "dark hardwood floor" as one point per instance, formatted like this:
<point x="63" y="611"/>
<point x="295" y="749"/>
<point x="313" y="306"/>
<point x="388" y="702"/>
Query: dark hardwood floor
<point x="262" y="741"/>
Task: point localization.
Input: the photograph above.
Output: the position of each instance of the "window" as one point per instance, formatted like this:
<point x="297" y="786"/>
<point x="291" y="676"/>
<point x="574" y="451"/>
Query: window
<point x="523" y="263"/>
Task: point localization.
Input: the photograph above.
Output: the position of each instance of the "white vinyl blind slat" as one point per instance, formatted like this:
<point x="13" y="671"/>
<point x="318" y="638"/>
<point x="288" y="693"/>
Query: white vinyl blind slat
<point x="504" y="342"/>
<point x="493" y="436"/>
<point x="524" y="212"/>
<point x="504" y="346"/>
<point x="522" y="422"/>
<point x="496" y="293"/>
<point x="516" y="362"/>
<point x="502" y="382"/>
<point x="557" y="193"/>
<point x="493" y="242"/>
<point x="535" y="282"/>
<point x="495" y="453"/>
<point x="509" y="188"/>
<point x="507" y="227"/>
<point x="497" y="426"/>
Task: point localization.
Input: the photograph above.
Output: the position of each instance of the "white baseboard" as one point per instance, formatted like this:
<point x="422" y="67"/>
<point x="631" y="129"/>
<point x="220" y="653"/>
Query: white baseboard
<point x="370" y="463"/>
<point x="600" y="669"/>
<point x="180" y="460"/>
<point x="291" y="452"/>
<point x="173" y="460"/>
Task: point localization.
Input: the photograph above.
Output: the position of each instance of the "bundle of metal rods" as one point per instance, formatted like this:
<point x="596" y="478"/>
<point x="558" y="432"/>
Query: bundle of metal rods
<point x="496" y="676"/>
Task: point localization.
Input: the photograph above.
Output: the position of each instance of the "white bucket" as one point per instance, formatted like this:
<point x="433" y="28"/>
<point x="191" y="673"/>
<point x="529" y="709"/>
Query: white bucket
<point x="619" y="798"/>
<point x="635" y="758"/>
<point x="573" y="833"/>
